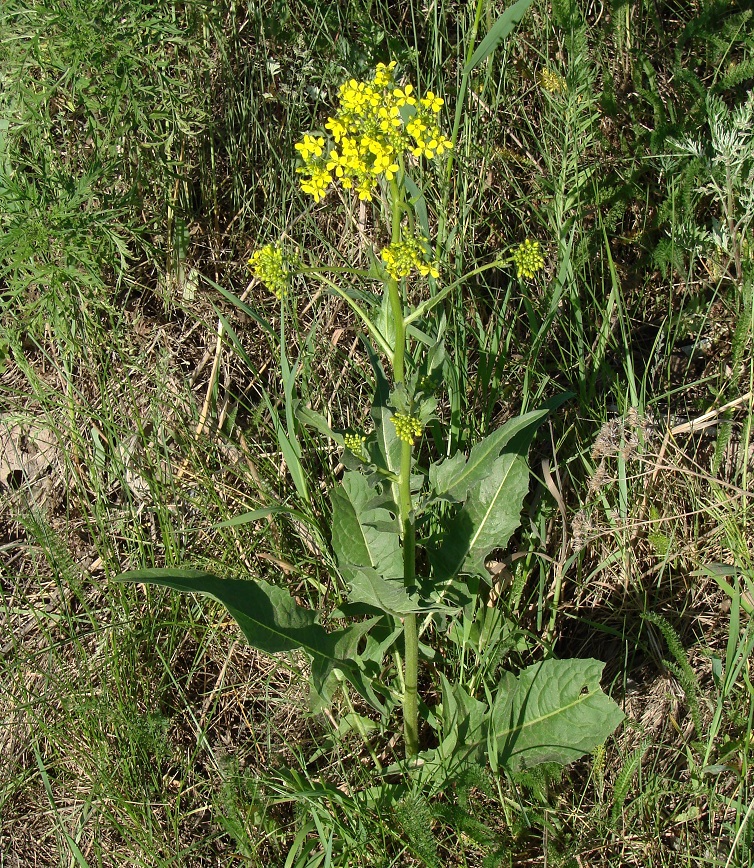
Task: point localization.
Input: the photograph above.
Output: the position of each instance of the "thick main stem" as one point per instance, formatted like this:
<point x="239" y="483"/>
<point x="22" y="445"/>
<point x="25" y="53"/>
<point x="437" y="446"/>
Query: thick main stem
<point x="410" y="632"/>
<point x="411" y="692"/>
<point x="405" y="507"/>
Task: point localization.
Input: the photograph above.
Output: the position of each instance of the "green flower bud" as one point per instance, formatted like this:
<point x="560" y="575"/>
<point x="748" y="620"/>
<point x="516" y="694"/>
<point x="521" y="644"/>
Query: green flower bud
<point x="527" y="259"/>
<point x="408" y="428"/>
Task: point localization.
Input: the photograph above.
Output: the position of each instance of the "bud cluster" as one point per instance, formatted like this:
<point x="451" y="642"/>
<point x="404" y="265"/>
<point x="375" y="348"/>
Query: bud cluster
<point x="402" y="257"/>
<point x="355" y="443"/>
<point x="552" y="82"/>
<point x="273" y="267"/>
<point x="527" y="259"/>
<point x="407" y="427"/>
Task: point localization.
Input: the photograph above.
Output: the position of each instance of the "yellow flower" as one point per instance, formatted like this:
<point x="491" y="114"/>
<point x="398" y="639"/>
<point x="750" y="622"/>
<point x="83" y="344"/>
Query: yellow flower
<point x="310" y="147"/>
<point x="317" y="183"/>
<point x="383" y="75"/>
<point x="403" y="97"/>
<point x="337" y="163"/>
<point x="375" y="124"/>
<point x="364" y="189"/>
<point x="336" y="127"/>
<point x="432" y="102"/>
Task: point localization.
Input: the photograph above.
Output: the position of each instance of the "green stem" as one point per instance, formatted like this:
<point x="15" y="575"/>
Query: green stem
<point x="426" y="306"/>
<point x="407" y="516"/>
<point x="411" y="690"/>
<point x="410" y="631"/>
<point x="405" y="506"/>
<point x="393" y="288"/>
<point x="399" y="351"/>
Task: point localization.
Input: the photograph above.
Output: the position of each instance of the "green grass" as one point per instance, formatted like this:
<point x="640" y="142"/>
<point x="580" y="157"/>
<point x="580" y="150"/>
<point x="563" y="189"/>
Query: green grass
<point x="145" y="147"/>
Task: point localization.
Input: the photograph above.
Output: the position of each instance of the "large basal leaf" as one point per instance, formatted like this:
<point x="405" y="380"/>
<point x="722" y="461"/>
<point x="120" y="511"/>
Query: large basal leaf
<point x="554" y="711"/>
<point x="273" y="622"/>
<point x="455" y="476"/>
<point x="486" y="521"/>
<point x="364" y="532"/>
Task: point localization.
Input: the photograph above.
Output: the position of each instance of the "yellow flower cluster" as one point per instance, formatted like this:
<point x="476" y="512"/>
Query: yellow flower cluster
<point x="401" y="257"/>
<point x="408" y="428"/>
<point x="355" y="443"/>
<point x="375" y="124"/>
<point x="527" y="259"/>
<point x="552" y="82"/>
<point x="271" y="265"/>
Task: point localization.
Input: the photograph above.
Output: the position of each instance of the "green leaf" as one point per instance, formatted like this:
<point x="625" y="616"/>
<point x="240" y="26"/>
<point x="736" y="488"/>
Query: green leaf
<point x="317" y="421"/>
<point x="718" y="572"/>
<point x="364" y="532"/>
<point x="273" y="622"/>
<point x="499" y="31"/>
<point x="443" y="474"/>
<point x="262" y="512"/>
<point x="487" y="520"/>
<point x="384" y="321"/>
<point x="453" y="477"/>
<point x="464" y="721"/>
<point x="418" y="203"/>
<point x="288" y="441"/>
<point x="385" y="446"/>
<point x="389" y="595"/>
<point x="341" y="657"/>
<point x="493" y="486"/>
<point x="555" y="711"/>
<point x="242" y="306"/>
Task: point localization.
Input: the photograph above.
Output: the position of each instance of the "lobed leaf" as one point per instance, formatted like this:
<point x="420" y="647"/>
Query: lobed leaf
<point x="491" y="484"/>
<point x="365" y="533"/>
<point x="486" y="521"/>
<point x="388" y="595"/>
<point x="273" y="622"/>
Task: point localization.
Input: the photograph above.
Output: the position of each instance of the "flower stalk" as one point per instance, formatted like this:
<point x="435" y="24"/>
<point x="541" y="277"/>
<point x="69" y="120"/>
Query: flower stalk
<point x="410" y="631"/>
<point x="405" y="507"/>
